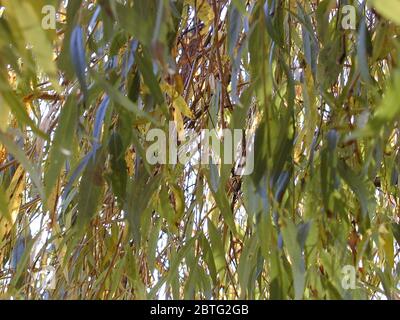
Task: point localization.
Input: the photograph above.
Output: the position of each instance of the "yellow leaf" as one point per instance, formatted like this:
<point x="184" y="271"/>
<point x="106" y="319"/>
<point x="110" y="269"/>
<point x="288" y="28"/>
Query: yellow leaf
<point x="3" y="154"/>
<point x="177" y="100"/>
<point x="4" y="113"/>
<point x="179" y="124"/>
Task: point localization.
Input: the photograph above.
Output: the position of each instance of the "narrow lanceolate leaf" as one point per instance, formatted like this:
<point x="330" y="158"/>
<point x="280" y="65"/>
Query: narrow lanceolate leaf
<point x="177" y="258"/>
<point x="217" y="247"/>
<point x="90" y="190"/>
<point x="235" y="25"/>
<point x="26" y="163"/>
<point x="389" y="108"/>
<point x="177" y="100"/>
<point x="35" y="35"/>
<point x="4" y="209"/>
<point x="310" y="211"/>
<point x="21" y="258"/>
<point x="222" y="203"/>
<point x="61" y="148"/>
<point x="358" y="185"/>
<point x="138" y="20"/>
<point x="118" y="97"/>
<point x="390" y="9"/>
<point x="363" y="42"/>
<point x="4" y="114"/>
<point x="78" y="56"/>
<point x="119" y="175"/>
<point x="17" y="108"/>
<point x="146" y="69"/>
<point x="247" y="266"/>
<point x="293" y="244"/>
<point x="100" y="115"/>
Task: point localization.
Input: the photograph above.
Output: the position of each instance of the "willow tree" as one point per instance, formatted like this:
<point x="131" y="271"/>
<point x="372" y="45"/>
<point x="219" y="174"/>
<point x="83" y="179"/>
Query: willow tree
<point x="84" y="214"/>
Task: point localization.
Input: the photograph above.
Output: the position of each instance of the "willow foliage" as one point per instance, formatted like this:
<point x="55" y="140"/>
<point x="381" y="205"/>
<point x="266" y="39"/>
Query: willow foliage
<point x="85" y="215"/>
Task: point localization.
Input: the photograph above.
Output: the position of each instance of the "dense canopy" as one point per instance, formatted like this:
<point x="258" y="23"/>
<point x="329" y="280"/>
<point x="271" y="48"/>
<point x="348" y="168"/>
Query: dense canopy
<point x="84" y="214"/>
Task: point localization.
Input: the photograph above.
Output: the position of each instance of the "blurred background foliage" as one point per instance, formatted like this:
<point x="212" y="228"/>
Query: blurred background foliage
<point x="83" y="215"/>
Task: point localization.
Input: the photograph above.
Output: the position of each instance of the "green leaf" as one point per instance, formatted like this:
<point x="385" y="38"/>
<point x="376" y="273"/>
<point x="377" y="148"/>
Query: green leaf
<point x="90" y="190"/>
<point x="359" y="186"/>
<point x="140" y="191"/>
<point x="138" y="20"/>
<point x="396" y="231"/>
<point x="61" y="148"/>
<point x="177" y="258"/>
<point x="364" y="43"/>
<point x="64" y="60"/>
<point x="217" y="248"/>
<point x="247" y="265"/>
<point x="388" y="110"/>
<point x="293" y="246"/>
<point x="35" y="35"/>
<point x="23" y="260"/>
<point x="24" y="161"/>
<point x="222" y="202"/>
